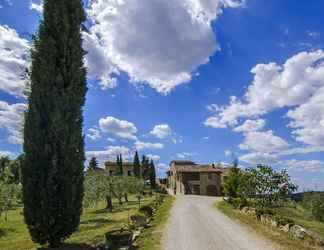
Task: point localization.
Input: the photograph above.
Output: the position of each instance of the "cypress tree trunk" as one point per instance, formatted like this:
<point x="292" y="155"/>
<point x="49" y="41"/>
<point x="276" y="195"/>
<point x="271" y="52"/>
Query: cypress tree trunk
<point x="53" y="140"/>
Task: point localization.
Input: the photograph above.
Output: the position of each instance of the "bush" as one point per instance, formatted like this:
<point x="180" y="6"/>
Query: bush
<point x="138" y="219"/>
<point x="147" y="210"/>
<point x="314" y="202"/>
<point x="283" y="220"/>
<point x="263" y="211"/>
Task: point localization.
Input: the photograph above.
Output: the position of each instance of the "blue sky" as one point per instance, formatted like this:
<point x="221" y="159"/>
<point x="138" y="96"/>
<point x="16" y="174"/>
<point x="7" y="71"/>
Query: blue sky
<point x="206" y="80"/>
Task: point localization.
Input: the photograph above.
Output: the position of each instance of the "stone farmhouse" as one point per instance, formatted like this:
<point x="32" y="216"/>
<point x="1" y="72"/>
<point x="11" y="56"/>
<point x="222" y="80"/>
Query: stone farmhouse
<point x="187" y="177"/>
<point x="112" y="168"/>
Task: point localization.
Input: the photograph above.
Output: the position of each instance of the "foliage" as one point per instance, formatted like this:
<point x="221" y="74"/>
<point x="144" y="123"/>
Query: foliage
<point x="314" y="202"/>
<point x="152" y="175"/>
<point x="267" y="186"/>
<point x="145" y="167"/>
<point x="93" y="164"/>
<point x="120" y="164"/>
<point x="10" y="193"/>
<point x="53" y="140"/>
<point x="137" y="165"/>
<point x="233" y="183"/>
<point x="97" y="186"/>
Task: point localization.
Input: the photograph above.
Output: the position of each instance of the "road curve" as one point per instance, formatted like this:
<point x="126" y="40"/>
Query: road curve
<point x="195" y="224"/>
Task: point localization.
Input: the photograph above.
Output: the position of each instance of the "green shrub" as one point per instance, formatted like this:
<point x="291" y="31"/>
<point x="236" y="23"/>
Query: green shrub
<point x="314" y="202"/>
<point x="283" y="220"/>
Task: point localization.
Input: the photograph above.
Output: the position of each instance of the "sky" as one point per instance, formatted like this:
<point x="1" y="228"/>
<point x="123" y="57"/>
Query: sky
<point x="202" y="80"/>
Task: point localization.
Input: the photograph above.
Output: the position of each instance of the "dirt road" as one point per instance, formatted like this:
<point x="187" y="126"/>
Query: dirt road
<point x="196" y="225"/>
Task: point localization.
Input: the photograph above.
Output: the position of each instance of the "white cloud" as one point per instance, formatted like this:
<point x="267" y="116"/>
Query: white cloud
<point x="6" y="153"/>
<point x="185" y="155"/>
<point x="13" y="61"/>
<point x="154" y="157"/>
<point x="94" y="134"/>
<point x="11" y="120"/>
<point x="120" y="128"/>
<point x="139" y="145"/>
<point x="302" y="150"/>
<point x="110" y="153"/>
<point x="157" y="42"/>
<point x="161" y="131"/>
<point x="308" y="119"/>
<point x="259" y="158"/>
<point x="111" y="139"/>
<point x="38" y="6"/>
<point x="265" y="142"/>
<point x="228" y="153"/>
<point x="251" y="125"/>
<point x="304" y="166"/>
<point x="274" y="86"/>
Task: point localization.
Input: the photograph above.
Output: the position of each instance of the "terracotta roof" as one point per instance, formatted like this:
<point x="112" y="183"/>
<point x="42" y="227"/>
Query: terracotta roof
<point x="182" y="162"/>
<point x="197" y="168"/>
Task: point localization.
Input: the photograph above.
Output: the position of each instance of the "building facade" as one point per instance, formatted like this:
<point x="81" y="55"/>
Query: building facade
<point x="113" y="169"/>
<point x="187" y="177"/>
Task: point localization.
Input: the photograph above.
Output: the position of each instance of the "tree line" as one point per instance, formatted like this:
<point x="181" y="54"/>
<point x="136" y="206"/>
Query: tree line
<point x="144" y="169"/>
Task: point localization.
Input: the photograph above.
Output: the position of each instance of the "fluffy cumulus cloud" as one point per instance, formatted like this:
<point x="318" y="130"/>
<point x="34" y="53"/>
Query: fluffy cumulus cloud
<point x="120" y="128"/>
<point x="250" y="126"/>
<point x="13" y="61"/>
<point x="154" y="157"/>
<point x="161" y="131"/>
<point x="186" y="155"/>
<point x="37" y="6"/>
<point x="297" y="85"/>
<point x="259" y="158"/>
<point x="157" y="42"/>
<point x="11" y="121"/>
<point x="94" y="134"/>
<point x="304" y="165"/>
<point x="140" y="145"/>
<point x="265" y="142"/>
<point x="275" y="86"/>
<point x="110" y="153"/>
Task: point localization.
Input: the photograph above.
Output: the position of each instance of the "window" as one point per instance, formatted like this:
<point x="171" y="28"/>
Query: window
<point x="210" y="176"/>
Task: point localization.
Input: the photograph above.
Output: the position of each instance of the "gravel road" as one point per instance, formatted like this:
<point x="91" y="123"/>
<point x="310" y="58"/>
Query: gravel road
<point x="196" y="225"/>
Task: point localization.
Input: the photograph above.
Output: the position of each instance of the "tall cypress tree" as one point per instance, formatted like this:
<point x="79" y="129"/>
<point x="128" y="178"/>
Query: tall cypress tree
<point x="137" y="166"/>
<point x="152" y="175"/>
<point x="53" y="140"/>
<point x="93" y="164"/>
<point x="120" y="164"/>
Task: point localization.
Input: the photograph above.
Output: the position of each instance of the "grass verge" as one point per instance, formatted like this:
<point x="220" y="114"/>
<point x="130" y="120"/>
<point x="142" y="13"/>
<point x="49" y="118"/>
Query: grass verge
<point x="150" y="239"/>
<point x="94" y="224"/>
<point x="283" y="240"/>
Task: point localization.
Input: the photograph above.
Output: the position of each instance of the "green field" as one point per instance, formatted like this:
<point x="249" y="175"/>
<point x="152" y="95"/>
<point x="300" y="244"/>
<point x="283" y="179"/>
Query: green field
<point x="94" y="224"/>
<point x="283" y="240"/>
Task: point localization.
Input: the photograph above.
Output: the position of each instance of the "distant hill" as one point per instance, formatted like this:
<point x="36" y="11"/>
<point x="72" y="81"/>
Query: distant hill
<point x="299" y="196"/>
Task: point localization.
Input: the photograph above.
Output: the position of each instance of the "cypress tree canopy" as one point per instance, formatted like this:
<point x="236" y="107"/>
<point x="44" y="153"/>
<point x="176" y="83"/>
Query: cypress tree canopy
<point x="53" y="140"/>
<point x="137" y="166"/>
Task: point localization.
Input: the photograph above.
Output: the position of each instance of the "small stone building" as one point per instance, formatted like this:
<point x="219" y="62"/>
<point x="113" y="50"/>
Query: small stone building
<point x="112" y="168"/>
<point x="187" y="177"/>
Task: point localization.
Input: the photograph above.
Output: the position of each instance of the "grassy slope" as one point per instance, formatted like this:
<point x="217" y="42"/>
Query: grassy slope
<point x="150" y="239"/>
<point x="94" y="224"/>
<point x="303" y="218"/>
<point x="273" y="234"/>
